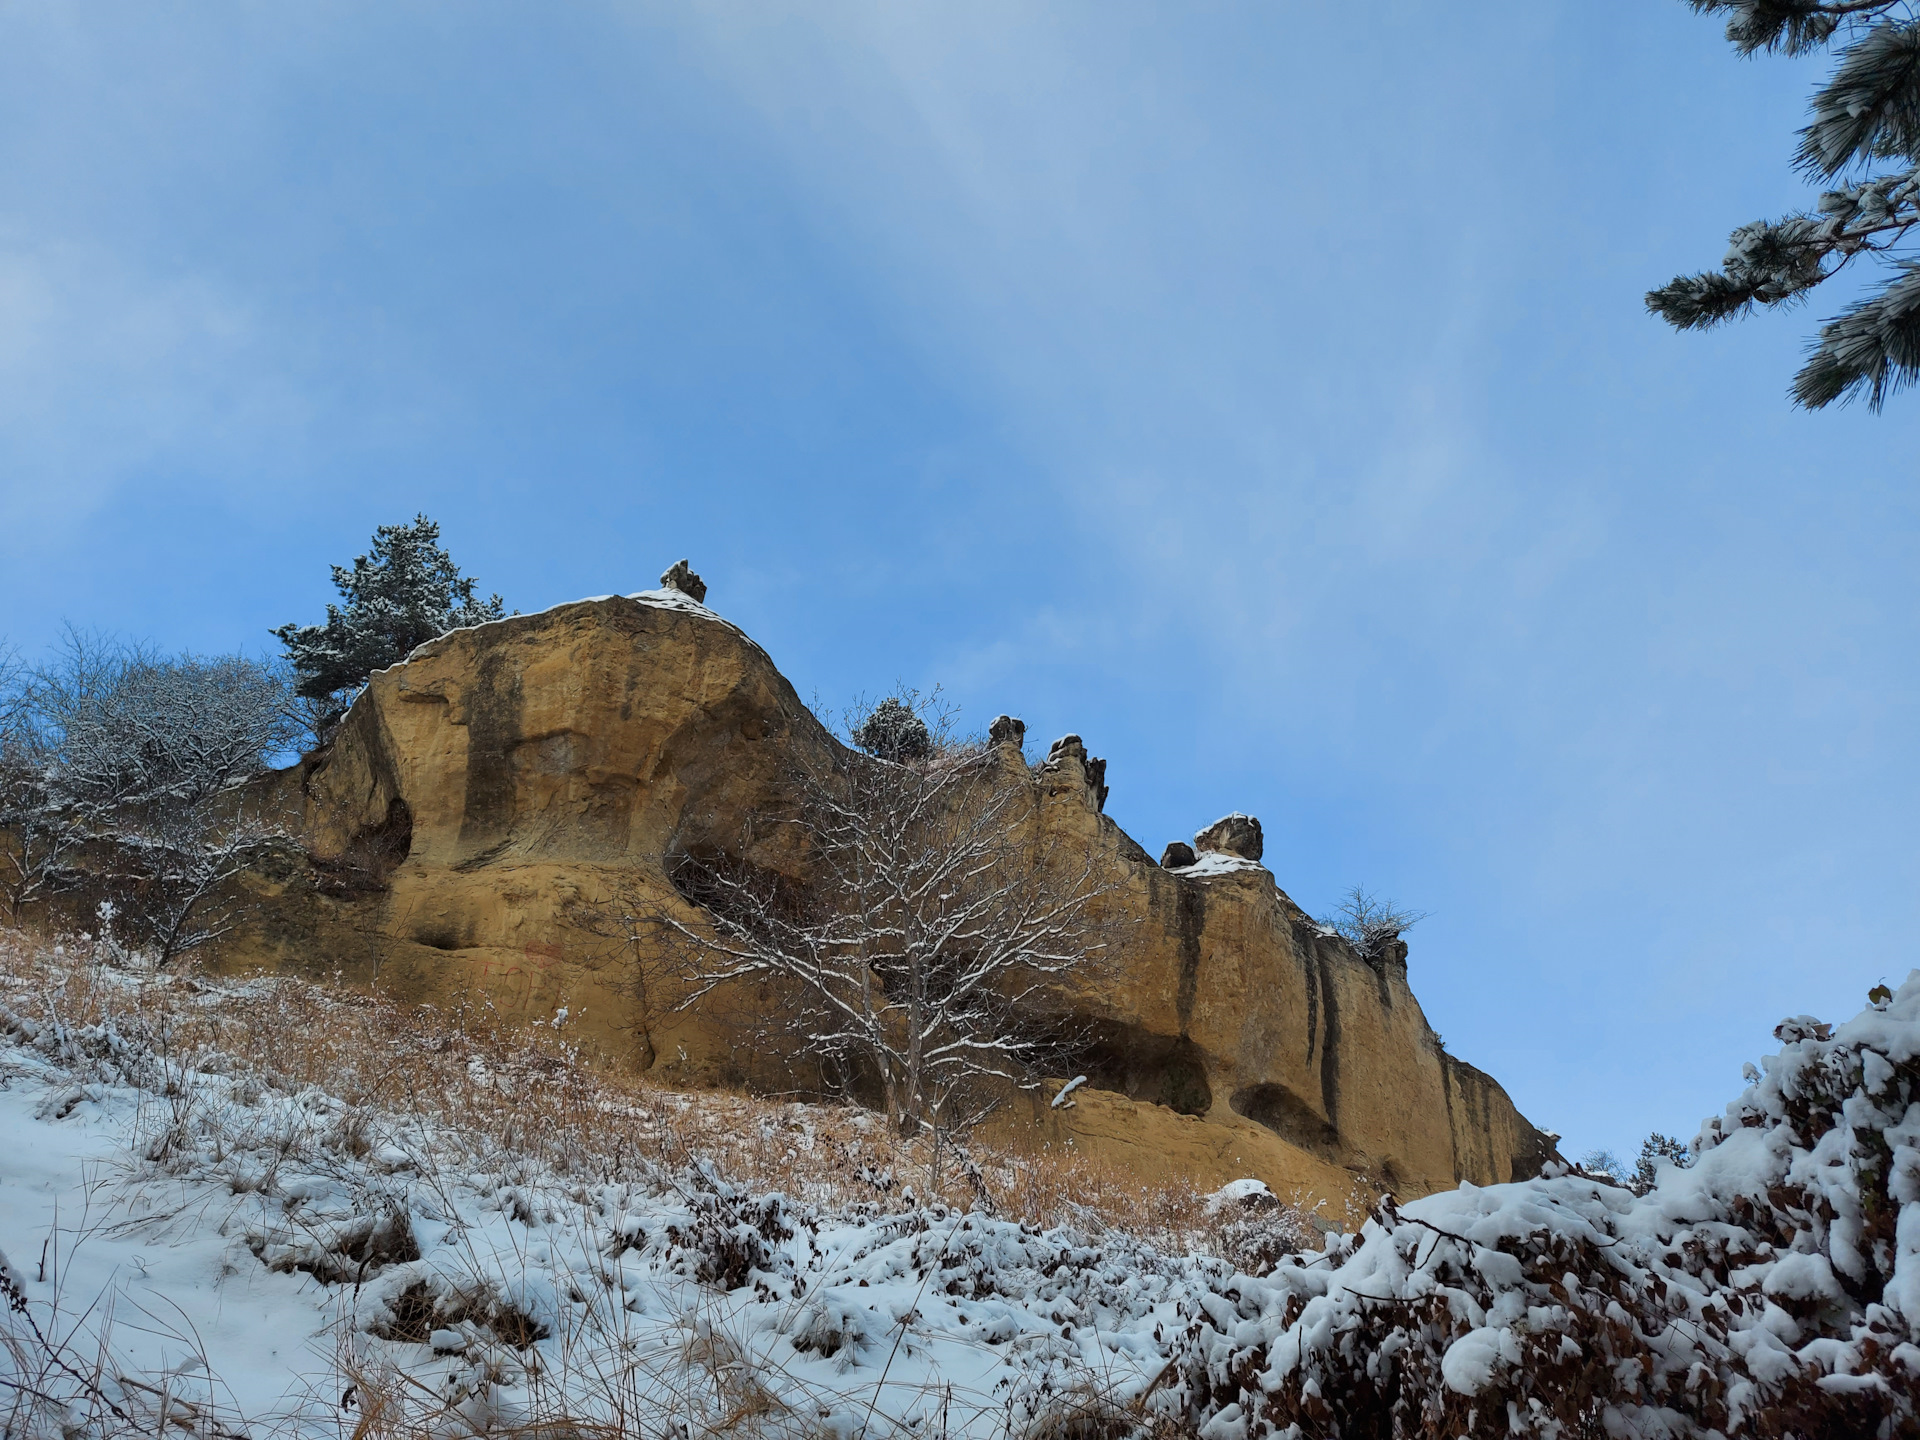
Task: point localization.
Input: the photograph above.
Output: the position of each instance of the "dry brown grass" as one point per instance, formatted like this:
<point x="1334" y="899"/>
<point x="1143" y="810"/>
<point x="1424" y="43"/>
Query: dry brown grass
<point x="522" y="1091"/>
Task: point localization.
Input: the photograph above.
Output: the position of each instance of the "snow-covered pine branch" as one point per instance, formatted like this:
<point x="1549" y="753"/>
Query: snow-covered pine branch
<point x="1867" y="113"/>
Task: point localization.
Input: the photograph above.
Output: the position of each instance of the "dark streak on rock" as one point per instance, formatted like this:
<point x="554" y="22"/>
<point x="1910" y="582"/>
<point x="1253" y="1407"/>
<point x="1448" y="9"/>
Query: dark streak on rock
<point x="493" y="729"/>
<point x="1190" y="919"/>
<point x="1330" y="1048"/>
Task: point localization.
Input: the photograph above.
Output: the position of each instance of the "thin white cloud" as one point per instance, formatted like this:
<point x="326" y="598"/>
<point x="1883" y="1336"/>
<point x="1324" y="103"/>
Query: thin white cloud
<point x="109" y="375"/>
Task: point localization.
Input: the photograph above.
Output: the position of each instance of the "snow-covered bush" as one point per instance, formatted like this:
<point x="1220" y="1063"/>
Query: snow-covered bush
<point x="112" y="746"/>
<point x="894" y="731"/>
<point x="1772" y="1289"/>
<point x="1253" y="1230"/>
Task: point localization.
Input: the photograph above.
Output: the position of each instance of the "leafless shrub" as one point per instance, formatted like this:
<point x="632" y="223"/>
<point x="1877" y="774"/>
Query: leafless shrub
<point x="1370" y="924"/>
<point x="119" y="725"/>
<point x="176" y="881"/>
<point x="36" y="839"/>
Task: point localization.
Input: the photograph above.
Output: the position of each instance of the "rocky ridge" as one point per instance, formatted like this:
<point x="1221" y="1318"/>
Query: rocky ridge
<point x="477" y="796"/>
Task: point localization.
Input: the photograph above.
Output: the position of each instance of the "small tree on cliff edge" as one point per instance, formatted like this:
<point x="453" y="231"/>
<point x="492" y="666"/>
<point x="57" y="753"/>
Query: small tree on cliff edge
<point x="1867" y="114"/>
<point x="1370" y="924"/>
<point x="401" y="594"/>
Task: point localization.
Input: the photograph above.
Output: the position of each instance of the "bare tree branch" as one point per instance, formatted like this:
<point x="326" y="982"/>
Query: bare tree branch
<point x="919" y="947"/>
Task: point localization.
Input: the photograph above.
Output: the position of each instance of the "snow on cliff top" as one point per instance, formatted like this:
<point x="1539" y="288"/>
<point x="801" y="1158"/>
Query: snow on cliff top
<point x="1219" y="862"/>
<point x="662" y="599"/>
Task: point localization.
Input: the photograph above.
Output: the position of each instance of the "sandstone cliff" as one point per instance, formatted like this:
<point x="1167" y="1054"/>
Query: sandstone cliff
<point x="478" y="794"/>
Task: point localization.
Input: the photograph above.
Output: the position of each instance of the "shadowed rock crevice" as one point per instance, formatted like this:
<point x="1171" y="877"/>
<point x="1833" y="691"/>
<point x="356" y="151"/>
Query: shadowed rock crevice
<point x="494" y="730"/>
<point x="370" y="857"/>
<point x="442" y="935"/>
<point x="1329" y="1045"/>
<point x="1154" y="1069"/>
<point x="1289" y="1117"/>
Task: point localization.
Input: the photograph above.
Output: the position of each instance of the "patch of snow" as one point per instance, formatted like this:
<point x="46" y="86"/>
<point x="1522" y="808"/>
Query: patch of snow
<point x="663" y="599"/>
<point x="1064" y="1100"/>
<point x="1241" y="1194"/>
<point x="1468" y="1366"/>
<point x="226" y="1252"/>
<point x="1219" y="862"/>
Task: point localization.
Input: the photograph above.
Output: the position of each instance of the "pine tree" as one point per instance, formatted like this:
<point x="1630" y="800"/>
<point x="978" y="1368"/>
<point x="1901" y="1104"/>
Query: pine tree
<point x="401" y="594"/>
<point x="1657" y="1150"/>
<point x="1864" y="133"/>
<point x="894" y="731"/>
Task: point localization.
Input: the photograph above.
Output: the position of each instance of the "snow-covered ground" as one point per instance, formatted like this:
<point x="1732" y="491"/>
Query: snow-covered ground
<point x="256" y="1258"/>
<point x="195" y="1242"/>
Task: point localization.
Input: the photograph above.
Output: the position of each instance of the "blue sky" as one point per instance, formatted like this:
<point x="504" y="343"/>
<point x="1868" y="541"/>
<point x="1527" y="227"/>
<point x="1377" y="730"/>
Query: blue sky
<point x="1262" y="391"/>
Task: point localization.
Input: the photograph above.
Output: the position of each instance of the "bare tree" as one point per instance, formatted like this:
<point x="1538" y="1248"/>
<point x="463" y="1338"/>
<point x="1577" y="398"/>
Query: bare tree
<point x="13" y="672"/>
<point x="1370" y="924"/>
<point x="917" y="949"/>
<point x="38" y="834"/>
<point x="179" y="865"/>
<point x="122" y="725"/>
<point x="114" y="747"/>
<point x="37" y="837"/>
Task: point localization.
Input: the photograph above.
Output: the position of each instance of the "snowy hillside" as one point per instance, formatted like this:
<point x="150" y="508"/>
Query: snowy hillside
<point x="198" y="1239"/>
<point x="196" y="1234"/>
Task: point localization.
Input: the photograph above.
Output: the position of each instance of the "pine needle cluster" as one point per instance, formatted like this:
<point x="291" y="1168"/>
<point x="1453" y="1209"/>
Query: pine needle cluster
<point x="1863" y="139"/>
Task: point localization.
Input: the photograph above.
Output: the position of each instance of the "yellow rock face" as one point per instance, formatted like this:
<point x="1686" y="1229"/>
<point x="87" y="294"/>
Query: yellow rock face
<point x="479" y="794"/>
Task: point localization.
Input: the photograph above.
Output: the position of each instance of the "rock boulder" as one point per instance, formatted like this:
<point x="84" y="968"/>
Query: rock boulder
<point x="1234" y="834"/>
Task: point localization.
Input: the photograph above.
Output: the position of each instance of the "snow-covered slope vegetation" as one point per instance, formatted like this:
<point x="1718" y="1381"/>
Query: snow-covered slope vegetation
<point x="1772" y="1289"/>
<point x="268" y="1208"/>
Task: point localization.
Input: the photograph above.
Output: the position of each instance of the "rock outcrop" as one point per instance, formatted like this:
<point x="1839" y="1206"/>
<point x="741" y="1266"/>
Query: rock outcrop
<point x="679" y="576"/>
<point x="1234" y="834"/>
<point x="1006" y="730"/>
<point x="507" y="776"/>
